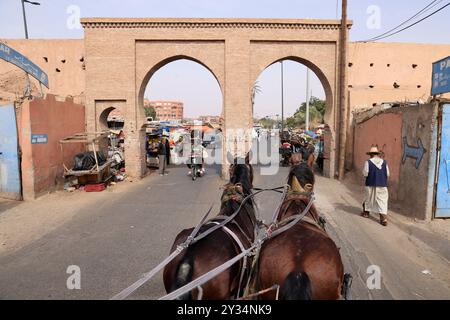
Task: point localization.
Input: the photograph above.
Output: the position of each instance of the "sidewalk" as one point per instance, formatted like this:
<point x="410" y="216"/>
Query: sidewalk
<point x="413" y="256"/>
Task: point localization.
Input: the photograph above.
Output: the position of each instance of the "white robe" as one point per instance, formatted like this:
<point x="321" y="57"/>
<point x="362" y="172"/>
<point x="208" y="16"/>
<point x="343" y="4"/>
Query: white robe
<point x="376" y="200"/>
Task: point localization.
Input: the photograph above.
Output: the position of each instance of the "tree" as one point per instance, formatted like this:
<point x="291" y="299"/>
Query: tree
<point x="316" y="114"/>
<point x="267" y="123"/>
<point x="255" y="90"/>
<point x="150" y="112"/>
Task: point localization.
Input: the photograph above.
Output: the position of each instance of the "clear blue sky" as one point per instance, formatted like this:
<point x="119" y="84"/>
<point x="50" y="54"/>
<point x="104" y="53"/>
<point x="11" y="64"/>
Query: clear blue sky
<point x="49" y="20"/>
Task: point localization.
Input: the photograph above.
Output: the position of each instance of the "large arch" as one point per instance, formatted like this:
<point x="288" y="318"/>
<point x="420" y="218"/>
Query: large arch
<point x="153" y="69"/>
<point x="326" y="78"/>
<point x="234" y="50"/>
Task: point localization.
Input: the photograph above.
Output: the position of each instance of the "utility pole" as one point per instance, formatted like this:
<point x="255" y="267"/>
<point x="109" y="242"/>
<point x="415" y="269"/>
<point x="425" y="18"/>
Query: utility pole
<point x="282" y="99"/>
<point x="307" y="99"/>
<point x="342" y="91"/>
<point x="27" y="91"/>
<point x="24" y="19"/>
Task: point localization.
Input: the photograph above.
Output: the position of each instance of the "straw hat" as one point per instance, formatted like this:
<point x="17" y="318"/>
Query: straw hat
<point x="373" y="150"/>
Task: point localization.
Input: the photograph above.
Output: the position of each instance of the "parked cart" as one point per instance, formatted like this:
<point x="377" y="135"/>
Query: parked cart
<point x="100" y="170"/>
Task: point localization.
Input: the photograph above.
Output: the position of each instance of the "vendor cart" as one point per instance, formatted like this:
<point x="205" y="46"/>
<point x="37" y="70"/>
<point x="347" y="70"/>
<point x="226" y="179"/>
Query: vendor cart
<point x="99" y="172"/>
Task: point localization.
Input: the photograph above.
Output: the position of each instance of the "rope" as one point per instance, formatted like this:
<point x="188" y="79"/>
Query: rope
<point x="293" y="219"/>
<point x="214" y="272"/>
<point x="206" y="277"/>
<point x="190" y="240"/>
<point x="283" y="197"/>
<point x="129" y="290"/>
<point x="274" y="287"/>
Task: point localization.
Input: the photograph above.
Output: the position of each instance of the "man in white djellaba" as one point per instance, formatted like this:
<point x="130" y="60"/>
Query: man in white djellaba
<point x="376" y="172"/>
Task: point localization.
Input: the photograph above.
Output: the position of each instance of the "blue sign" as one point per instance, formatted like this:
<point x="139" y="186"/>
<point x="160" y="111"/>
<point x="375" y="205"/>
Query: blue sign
<point x="14" y="57"/>
<point x="39" y="139"/>
<point x="441" y="77"/>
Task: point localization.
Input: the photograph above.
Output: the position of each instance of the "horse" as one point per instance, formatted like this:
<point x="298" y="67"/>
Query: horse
<point x="219" y="246"/>
<point x="304" y="261"/>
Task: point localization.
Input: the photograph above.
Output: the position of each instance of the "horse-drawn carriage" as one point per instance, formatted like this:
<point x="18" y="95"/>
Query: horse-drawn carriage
<point x="225" y="258"/>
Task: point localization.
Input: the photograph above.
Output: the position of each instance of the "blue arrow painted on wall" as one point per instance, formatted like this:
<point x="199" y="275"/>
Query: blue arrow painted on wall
<point x="413" y="152"/>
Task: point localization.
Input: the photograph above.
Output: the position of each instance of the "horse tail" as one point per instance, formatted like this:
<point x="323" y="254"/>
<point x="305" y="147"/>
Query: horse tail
<point x="183" y="276"/>
<point x="297" y="286"/>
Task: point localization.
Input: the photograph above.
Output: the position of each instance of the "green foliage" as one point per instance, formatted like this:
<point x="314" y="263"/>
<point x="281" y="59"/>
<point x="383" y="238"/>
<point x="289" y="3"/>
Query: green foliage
<point x="316" y="114"/>
<point x="267" y="123"/>
<point x="150" y="112"/>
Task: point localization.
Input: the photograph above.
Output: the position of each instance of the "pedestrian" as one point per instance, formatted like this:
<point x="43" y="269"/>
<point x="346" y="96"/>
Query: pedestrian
<point x="167" y="143"/>
<point x="162" y="153"/>
<point x="376" y="172"/>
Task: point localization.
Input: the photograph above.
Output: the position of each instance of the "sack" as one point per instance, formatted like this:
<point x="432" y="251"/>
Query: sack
<point x="86" y="160"/>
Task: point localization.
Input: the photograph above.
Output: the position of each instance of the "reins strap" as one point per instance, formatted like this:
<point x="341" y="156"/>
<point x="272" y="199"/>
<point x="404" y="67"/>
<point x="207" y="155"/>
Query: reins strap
<point x="126" y="292"/>
<point x="293" y="220"/>
<point x="241" y="246"/>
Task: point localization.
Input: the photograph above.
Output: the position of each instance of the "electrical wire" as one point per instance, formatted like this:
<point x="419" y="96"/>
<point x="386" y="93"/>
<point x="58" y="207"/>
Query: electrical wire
<point x="386" y="35"/>
<point x="428" y="7"/>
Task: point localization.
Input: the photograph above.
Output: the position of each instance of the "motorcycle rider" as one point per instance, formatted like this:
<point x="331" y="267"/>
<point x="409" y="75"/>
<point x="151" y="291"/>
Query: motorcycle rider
<point x="197" y="148"/>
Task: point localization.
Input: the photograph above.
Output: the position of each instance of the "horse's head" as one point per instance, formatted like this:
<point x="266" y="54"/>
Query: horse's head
<point x="241" y="172"/>
<point x="301" y="182"/>
<point x="239" y="187"/>
<point x="301" y="178"/>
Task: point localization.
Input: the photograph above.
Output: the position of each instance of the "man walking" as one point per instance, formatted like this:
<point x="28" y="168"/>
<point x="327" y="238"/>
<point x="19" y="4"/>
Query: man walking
<point x="376" y="172"/>
<point x="162" y="153"/>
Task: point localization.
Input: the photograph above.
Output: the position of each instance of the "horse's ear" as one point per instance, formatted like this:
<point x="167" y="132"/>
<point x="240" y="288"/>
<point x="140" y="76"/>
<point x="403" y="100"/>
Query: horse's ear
<point x="230" y="158"/>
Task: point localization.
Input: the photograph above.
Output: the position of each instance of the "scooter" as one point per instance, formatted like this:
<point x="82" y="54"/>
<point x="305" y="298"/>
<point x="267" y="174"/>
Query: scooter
<point x="196" y="166"/>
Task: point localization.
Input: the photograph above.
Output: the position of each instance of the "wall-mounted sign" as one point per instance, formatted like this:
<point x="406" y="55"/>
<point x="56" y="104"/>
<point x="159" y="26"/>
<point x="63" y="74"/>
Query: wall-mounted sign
<point x="441" y="77"/>
<point x="39" y="138"/>
<point x="16" y="58"/>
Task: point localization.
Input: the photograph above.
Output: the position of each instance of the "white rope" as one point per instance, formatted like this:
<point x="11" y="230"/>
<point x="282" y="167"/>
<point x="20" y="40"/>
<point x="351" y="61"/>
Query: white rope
<point x="206" y="277"/>
<point x="191" y="239"/>
<point x="214" y="272"/>
<point x="129" y="290"/>
<point x="241" y="246"/>
<point x="126" y="292"/>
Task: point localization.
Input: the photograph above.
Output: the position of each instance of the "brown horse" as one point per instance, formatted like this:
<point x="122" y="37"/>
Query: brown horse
<point x="219" y="246"/>
<point x="303" y="260"/>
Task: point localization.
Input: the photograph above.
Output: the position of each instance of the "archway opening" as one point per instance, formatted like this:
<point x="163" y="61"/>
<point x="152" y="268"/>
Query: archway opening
<point x="292" y="97"/>
<point x="179" y="95"/>
<point x="111" y="119"/>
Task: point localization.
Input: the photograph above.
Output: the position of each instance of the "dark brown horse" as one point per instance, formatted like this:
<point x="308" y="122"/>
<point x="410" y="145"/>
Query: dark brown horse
<point x="219" y="246"/>
<point x="303" y="260"/>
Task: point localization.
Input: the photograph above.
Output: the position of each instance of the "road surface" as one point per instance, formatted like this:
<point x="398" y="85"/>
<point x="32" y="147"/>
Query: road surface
<point x="119" y="234"/>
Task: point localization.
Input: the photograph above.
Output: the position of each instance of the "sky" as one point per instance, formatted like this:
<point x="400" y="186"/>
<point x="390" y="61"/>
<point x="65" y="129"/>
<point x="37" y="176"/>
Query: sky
<point x="194" y="85"/>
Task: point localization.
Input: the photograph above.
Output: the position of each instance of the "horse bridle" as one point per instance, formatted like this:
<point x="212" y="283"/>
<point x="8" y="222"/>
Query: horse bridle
<point x="304" y="197"/>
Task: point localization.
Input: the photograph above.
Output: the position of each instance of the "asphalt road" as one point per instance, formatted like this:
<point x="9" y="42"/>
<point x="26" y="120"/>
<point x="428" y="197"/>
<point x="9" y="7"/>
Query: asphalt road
<point x="117" y="239"/>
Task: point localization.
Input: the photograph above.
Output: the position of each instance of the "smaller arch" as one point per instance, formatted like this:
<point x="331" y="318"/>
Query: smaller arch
<point x="107" y="121"/>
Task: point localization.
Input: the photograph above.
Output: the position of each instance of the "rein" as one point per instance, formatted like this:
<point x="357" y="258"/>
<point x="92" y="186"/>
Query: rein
<point x="192" y="238"/>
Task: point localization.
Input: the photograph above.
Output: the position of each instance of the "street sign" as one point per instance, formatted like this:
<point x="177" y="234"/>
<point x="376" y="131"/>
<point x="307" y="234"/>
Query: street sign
<point x="441" y="77"/>
<point x="39" y="139"/>
<point x="10" y="55"/>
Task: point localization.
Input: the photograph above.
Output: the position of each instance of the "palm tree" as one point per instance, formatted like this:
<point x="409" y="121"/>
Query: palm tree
<point x="255" y="90"/>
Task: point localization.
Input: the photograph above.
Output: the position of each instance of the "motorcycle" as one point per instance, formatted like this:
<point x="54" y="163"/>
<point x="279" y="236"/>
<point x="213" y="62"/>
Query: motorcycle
<point x="196" y="166"/>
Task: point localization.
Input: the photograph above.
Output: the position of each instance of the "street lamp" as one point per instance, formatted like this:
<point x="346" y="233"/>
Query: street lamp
<point x="24" y="16"/>
<point x="27" y="91"/>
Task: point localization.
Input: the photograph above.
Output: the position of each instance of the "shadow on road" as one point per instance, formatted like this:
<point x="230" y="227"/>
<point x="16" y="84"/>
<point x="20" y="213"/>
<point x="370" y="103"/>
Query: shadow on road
<point x="355" y="211"/>
<point x="8" y="204"/>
